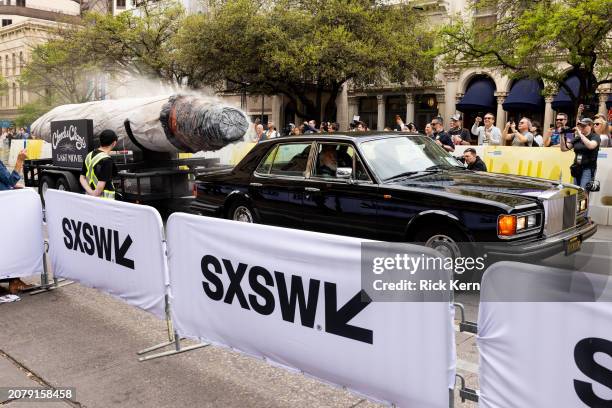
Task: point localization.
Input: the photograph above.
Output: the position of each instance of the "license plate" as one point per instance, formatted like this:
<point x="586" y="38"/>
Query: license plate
<point x="572" y="245"/>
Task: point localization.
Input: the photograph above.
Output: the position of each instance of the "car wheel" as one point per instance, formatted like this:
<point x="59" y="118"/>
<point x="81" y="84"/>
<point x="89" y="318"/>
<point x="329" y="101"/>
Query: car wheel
<point x="451" y="243"/>
<point x="242" y="212"/>
<point x="62" y="184"/>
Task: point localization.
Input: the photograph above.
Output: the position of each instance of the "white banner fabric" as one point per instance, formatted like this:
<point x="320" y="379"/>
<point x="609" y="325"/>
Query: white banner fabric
<point x="21" y="241"/>
<point x="294" y="298"/>
<point x="556" y="352"/>
<point x="109" y="245"/>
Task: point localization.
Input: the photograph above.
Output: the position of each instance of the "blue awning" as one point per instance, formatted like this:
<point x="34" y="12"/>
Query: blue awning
<point x="479" y="96"/>
<point x="563" y="100"/>
<point x="526" y="94"/>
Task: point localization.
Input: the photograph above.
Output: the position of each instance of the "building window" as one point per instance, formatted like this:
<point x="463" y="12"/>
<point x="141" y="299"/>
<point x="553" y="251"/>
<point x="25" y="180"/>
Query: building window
<point x="20" y="62"/>
<point x="6" y="21"/>
<point x="21" y="101"/>
<point x="14" y="64"/>
<point x="6" y="65"/>
<point x="21" y="3"/>
<point x="121" y="4"/>
<point x="14" y="94"/>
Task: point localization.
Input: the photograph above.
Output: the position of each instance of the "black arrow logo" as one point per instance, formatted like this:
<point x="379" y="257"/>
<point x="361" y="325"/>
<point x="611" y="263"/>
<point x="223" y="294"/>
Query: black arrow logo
<point x="336" y="320"/>
<point x="120" y="252"/>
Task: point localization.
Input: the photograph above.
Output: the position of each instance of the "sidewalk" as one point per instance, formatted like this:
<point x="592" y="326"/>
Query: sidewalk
<point x="78" y="337"/>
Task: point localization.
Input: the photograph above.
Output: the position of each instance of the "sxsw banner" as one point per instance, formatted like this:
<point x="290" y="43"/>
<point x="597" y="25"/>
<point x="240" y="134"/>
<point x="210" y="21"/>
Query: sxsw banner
<point x="109" y="245"/>
<point x="294" y="298"/>
<point x="551" y="344"/>
<point x="21" y="241"/>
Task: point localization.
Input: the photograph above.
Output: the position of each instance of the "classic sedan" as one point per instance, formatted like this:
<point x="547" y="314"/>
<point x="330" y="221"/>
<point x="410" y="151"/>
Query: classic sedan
<point x="396" y="187"/>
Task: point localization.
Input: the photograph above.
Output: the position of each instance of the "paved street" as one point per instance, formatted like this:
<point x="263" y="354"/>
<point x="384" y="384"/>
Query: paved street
<point x="78" y="337"/>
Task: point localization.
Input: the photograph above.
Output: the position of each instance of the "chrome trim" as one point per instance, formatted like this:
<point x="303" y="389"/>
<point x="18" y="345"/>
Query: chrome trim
<point x="523" y="206"/>
<point x="438" y="212"/>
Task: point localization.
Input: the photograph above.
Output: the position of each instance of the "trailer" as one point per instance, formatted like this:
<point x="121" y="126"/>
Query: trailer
<point x="159" y="179"/>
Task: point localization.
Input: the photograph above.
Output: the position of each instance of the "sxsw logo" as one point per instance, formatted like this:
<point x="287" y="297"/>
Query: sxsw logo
<point x="292" y="294"/>
<point x="94" y="240"/>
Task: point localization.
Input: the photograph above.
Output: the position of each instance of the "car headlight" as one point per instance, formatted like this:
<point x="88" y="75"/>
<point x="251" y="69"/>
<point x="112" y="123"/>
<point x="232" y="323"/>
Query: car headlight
<point x="532" y="221"/>
<point x="506" y="225"/>
<point x="521" y="223"/>
<point x="583" y="204"/>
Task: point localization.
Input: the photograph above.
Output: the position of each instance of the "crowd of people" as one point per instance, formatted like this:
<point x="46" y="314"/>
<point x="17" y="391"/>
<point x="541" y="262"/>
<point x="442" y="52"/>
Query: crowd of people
<point x="584" y="139"/>
<point x="14" y="134"/>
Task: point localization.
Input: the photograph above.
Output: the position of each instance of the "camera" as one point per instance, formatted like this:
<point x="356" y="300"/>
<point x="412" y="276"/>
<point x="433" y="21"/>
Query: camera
<point x="592" y="185"/>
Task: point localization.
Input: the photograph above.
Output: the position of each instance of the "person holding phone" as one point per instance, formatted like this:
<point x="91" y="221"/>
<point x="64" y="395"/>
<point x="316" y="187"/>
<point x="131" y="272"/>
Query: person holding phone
<point x="586" y="148"/>
<point x="552" y="137"/>
<point x="489" y="134"/>
<point x="520" y="136"/>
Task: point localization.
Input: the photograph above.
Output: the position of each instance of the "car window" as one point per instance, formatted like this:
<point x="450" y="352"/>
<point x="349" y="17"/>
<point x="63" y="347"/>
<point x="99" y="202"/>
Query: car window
<point x="286" y="159"/>
<point x="330" y="156"/>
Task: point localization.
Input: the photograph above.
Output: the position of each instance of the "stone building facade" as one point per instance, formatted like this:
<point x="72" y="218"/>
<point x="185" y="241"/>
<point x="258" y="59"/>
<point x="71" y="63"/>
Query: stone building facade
<point x="25" y="23"/>
<point x="486" y="90"/>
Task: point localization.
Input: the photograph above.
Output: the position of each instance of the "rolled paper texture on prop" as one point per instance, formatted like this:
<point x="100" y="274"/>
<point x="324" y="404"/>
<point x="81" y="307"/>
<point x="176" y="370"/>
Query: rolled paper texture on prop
<point x="167" y="123"/>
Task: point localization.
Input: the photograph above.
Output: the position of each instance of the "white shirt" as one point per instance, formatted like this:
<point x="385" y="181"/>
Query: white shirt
<point x="490" y="136"/>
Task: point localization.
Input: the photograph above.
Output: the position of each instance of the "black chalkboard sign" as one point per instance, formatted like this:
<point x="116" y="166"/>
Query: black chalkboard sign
<point x="71" y="140"/>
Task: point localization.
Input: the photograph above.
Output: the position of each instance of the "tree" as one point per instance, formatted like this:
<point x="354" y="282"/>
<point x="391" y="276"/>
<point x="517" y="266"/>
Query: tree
<point x="305" y="50"/>
<point x="138" y="42"/>
<point x="64" y="69"/>
<point x="532" y="38"/>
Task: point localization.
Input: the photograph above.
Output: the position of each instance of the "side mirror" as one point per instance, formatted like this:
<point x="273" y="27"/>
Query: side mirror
<point x="344" y="173"/>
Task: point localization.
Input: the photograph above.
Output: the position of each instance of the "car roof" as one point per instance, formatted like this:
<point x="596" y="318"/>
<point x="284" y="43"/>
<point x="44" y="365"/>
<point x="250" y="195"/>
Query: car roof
<point x="344" y="136"/>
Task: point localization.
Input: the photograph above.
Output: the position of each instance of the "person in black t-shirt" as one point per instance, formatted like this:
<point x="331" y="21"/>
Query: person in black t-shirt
<point x="99" y="168"/>
<point x="459" y="135"/>
<point x="586" y="148"/>
<point x="472" y="160"/>
<point x="442" y="138"/>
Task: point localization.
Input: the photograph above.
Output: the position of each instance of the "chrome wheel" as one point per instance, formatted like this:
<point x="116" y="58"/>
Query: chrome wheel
<point x="243" y="214"/>
<point x="445" y="245"/>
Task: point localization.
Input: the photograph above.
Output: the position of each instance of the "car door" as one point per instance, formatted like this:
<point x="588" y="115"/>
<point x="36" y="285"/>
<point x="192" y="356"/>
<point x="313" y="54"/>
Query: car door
<point x="340" y="206"/>
<point x="274" y="186"/>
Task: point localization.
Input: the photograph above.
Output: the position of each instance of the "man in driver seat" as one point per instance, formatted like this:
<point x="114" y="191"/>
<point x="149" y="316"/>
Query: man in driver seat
<point x="328" y="161"/>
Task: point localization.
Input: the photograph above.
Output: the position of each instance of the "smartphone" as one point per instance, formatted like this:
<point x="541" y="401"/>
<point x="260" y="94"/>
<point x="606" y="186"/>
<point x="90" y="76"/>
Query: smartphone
<point x="551" y="126"/>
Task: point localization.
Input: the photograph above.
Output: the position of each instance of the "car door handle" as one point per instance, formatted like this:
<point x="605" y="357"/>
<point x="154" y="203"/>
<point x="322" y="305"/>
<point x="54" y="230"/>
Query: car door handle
<point x="312" y="189"/>
<point x="256" y="184"/>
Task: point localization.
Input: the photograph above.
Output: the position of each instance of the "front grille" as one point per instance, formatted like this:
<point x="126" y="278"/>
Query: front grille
<point x="569" y="212"/>
<point x="560" y="212"/>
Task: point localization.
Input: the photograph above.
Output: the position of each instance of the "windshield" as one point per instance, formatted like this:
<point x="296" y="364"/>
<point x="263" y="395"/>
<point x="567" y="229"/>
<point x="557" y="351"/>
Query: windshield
<point x="397" y="156"/>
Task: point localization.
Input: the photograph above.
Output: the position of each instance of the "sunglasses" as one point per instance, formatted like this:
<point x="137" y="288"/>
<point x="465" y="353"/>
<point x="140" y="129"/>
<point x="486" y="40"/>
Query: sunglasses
<point x="560" y="119"/>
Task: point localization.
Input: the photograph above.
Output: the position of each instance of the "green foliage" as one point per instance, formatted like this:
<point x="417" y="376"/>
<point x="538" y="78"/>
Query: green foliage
<point x="300" y="48"/>
<point x="531" y="38"/>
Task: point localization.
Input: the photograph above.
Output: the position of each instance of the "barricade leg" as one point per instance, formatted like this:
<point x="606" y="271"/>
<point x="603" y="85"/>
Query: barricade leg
<point x="45" y="286"/>
<point x="173" y="338"/>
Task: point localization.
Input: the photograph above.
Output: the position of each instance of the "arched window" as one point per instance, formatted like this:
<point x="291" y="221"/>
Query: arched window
<point x="21" y="62"/>
<point x="14" y="65"/>
<point x="6" y="65"/>
<point x="14" y="94"/>
<point x="21" y="101"/>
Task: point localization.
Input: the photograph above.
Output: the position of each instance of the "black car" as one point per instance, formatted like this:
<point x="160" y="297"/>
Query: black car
<point x="396" y="187"/>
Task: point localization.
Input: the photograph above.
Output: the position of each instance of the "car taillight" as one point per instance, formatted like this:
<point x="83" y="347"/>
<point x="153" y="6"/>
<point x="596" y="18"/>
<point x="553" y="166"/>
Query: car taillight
<point x="195" y="190"/>
<point x="506" y="225"/>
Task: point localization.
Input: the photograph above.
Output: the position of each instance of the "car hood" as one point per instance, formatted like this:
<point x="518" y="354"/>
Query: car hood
<point x="506" y="189"/>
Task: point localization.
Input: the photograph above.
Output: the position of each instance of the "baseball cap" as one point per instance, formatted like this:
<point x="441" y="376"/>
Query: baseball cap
<point x="456" y="116"/>
<point x="586" y="122"/>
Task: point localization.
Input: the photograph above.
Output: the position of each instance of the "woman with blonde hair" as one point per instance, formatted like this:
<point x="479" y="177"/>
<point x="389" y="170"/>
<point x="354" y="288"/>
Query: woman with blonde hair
<point x="602" y="128"/>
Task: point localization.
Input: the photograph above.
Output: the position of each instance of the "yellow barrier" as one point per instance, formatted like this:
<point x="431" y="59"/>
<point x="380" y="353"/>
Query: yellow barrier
<point x="548" y="163"/>
<point x="35" y="149"/>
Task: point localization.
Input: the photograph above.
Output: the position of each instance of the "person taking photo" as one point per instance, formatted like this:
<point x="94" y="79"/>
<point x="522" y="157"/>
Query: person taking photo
<point x="586" y="147"/>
